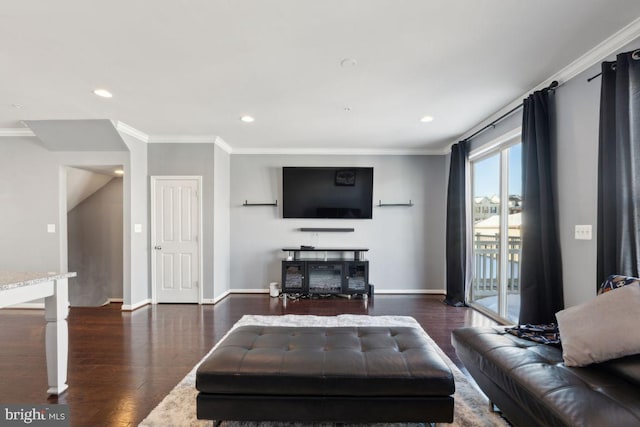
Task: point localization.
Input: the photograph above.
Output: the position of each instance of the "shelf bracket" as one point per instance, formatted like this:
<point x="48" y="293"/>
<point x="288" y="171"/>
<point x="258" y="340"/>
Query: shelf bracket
<point x="328" y="229"/>
<point x="382" y="205"/>
<point x="260" y="204"/>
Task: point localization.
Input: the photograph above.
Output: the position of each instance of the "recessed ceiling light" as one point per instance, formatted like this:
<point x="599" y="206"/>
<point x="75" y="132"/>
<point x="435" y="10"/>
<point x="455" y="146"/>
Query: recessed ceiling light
<point x="118" y="172"/>
<point x="247" y="119"/>
<point x="426" y="119"/>
<point x="18" y="106"/>
<point x="103" y="93"/>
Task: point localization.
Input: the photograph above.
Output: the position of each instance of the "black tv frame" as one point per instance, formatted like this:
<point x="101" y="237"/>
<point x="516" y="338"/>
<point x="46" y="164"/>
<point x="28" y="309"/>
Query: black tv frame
<point x="321" y="192"/>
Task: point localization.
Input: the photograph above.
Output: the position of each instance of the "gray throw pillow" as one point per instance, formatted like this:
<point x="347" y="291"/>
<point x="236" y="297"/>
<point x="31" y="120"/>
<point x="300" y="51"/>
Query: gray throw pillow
<point x="601" y="329"/>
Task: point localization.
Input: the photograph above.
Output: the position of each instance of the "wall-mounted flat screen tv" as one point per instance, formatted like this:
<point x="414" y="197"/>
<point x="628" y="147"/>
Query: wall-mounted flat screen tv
<point x="327" y="192"/>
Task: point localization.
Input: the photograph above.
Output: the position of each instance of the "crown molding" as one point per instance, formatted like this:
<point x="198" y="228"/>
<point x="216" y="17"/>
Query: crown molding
<point x="131" y="131"/>
<point x="343" y="151"/>
<point x="598" y="53"/>
<point x="19" y="132"/>
<point x="212" y="139"/>
<point x="182" y="139"/>
<point x="222" y="144"/>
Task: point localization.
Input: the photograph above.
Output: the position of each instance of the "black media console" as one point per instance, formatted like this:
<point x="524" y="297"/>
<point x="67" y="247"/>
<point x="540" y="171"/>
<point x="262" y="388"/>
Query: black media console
<point x="344" y="275"/>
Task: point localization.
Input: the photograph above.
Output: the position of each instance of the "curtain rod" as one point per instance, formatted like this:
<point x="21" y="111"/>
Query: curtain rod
<point x="554" y="84"/>
<point x="591" y="78"/>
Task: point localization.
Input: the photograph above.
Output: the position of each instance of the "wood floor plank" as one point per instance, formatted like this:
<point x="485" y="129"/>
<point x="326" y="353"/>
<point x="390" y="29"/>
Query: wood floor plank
<point x="121" y="364"/>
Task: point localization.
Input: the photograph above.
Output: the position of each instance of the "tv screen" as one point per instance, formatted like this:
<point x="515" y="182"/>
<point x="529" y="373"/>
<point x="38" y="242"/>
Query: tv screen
<point x="321" y="192"/>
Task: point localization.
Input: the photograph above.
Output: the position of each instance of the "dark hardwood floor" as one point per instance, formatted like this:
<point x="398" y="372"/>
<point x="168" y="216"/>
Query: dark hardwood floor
<point x="121" y="364"/>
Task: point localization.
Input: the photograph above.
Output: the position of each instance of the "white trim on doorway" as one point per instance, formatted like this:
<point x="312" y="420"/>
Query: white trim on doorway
<point x="154" y="179"/>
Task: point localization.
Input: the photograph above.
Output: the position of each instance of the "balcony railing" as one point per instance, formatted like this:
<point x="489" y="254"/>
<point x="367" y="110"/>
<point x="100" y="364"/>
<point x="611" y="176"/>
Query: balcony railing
<point x="486" y="250"/>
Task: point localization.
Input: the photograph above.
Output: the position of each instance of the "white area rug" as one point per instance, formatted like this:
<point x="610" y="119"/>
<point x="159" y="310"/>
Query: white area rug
<point x="178" y="408"/>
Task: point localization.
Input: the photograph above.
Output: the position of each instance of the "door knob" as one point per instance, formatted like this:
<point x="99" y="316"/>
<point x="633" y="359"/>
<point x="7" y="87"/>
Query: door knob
<point x="157" y="248"/>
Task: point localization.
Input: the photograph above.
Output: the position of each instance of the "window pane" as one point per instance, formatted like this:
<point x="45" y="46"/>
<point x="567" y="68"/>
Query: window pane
<point x="514" y="222"/>
<point x="486" y="231"/>
<point x="497" y="205"/>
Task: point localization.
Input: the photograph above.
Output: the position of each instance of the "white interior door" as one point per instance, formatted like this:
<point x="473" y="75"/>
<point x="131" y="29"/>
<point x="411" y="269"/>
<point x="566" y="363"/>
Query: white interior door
<point x="176" y="265"/>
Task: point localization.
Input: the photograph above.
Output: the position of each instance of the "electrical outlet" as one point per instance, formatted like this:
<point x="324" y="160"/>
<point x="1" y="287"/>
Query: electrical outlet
<point x="51" y="228"/>
<point x="583" y="232"/>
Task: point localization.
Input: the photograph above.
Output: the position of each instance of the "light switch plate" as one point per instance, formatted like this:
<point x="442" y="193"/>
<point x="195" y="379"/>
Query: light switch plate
<point x="137" y="228"/>
<point x="583" y="232"/>
<point x="51" y="228"/>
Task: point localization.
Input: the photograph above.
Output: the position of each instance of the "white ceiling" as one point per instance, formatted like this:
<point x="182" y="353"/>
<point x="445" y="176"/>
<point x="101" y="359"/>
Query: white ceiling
<point x="193" y="67"/>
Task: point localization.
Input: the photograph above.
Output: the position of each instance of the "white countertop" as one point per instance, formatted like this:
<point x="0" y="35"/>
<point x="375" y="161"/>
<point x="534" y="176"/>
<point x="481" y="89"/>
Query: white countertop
<point x="16" y="279"/>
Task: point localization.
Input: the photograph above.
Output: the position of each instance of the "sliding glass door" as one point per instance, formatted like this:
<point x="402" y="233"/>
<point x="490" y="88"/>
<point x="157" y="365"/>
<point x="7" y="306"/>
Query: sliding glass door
<point x="497" y="189"/>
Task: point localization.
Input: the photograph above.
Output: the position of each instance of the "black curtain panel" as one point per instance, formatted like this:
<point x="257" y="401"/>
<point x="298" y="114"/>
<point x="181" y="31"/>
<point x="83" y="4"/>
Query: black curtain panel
<point x="541" y="293"/>
<point x="619" y="168"/>
<point x="456" y="244"/>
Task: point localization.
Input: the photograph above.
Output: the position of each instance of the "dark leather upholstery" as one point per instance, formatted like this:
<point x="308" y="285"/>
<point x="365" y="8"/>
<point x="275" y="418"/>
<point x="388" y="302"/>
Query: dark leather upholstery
<point x="531" y="385"/>
<point x="342" y="374"/>
<point x="338" y="409"/>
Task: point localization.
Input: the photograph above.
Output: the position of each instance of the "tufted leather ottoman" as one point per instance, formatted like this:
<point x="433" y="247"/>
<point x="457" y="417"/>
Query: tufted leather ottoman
<point x="337" y="374"/>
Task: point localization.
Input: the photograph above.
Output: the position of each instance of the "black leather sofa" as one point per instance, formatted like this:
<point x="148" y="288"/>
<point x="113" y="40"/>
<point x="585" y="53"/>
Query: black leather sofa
<point x="530" y="384"/>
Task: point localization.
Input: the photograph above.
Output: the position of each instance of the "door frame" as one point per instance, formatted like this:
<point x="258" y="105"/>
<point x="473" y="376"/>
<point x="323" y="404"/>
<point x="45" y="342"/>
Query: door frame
<point x="498" y="146"/>
<point x="154" y="180"/>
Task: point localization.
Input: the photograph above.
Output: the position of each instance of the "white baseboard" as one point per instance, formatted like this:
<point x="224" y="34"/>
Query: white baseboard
<point x="410" y="291"/>
<point x="27" y="306"/>
<point x="250" y="291"/>
<point x="40" y="305"/>
<point x="234" y="291"/>
<point x="377" y="291"/>
<point x="221" y="297"/>
<point x="127" y="307"/>
<point x="132" y="307"/>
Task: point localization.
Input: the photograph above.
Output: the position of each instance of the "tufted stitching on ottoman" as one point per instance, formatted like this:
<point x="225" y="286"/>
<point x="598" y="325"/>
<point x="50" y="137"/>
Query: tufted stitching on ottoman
<point x="377" y="361"/>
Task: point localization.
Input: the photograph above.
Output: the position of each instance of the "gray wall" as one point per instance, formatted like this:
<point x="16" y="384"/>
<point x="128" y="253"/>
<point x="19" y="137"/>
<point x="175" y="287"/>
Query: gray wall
<point x="136" y="287"/>
<point x="509" y="123"/>
<point x="29" y="201"/>
<point x="577" y="112"/>
<point x="191" y="159"/>
<point x="406" y="244"/>
<point x="32" y="195"/>
<point x="95" y="246"/>
<point x="222" y="223"/>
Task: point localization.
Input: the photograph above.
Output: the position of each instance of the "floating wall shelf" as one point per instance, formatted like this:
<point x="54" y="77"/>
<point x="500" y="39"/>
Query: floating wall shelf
<point x="326" y="229"/>
<point x="382" y="205"/>
<point x="260" y="204"/>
